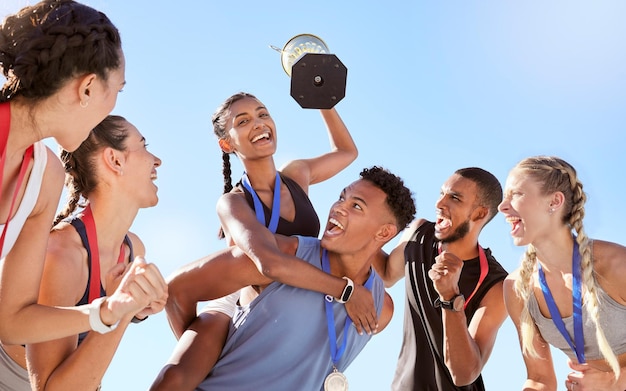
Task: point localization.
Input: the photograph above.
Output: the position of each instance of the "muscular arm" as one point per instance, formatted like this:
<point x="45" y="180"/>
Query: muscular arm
<point x="343" y="151"/>
<point x="260" y="245"/>
<point x="539" y="369"/>
<point x="467" y="349"/>
<point x="208" y="278"/>
<point x="391" y="267"/>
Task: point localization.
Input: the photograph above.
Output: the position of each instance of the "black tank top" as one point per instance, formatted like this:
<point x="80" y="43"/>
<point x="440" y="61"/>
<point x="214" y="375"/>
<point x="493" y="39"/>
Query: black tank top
<point x="82" y="232"/>
<point x="305" y="223"/>
<point x="421" y="365"/>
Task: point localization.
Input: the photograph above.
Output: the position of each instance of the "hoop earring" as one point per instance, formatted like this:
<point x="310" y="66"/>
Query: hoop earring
<point x="84" y="104"/>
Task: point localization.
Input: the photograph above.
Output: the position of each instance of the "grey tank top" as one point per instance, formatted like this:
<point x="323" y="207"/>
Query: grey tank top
<point x="611" y="313"/>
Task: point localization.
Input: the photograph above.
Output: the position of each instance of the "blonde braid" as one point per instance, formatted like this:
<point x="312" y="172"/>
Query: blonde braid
<point x="524" y="289"/>
<point x="586" y="265"/>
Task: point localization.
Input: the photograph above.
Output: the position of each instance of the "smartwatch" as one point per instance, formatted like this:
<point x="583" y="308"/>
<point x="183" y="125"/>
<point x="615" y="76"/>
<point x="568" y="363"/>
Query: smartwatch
<point x="347" y="291"/>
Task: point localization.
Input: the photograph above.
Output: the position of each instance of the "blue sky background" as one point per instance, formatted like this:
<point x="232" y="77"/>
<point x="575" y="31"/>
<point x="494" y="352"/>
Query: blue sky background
<point x="432" y="87"/>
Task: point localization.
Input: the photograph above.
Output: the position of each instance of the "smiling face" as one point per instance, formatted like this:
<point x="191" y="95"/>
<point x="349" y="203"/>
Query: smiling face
<point x="456" y="203"/>
<point x="356" y="217"/>
<point x="526" y="209"/>
<point x="140" y="167"/>
<point x="251" y="130"/>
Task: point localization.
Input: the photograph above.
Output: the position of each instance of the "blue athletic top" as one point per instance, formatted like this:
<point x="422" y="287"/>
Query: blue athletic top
<point x="280" y="340"/>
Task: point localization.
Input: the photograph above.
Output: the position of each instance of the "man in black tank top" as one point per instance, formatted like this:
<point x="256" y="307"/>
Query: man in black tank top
<point x="449" y="278"/>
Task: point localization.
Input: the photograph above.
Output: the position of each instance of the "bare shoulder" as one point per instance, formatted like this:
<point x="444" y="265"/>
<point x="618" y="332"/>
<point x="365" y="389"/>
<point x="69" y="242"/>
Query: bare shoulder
<point x="138" y="247"/>
<point x="65" y="270"/>
<point x="609" y="264"/>
<point x="299" y="171"/>
<point x="65" y="246"/>
<point x="608" y="254"/>
<point x="386" y="313"/>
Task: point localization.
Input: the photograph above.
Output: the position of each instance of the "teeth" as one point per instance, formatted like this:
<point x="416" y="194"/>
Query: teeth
<point x="153" y="176"/>
<point x="513" y="220"/>
<point x="261" y="136"/>
<point x="444" y="223"/>
<point x="335" y="222"/>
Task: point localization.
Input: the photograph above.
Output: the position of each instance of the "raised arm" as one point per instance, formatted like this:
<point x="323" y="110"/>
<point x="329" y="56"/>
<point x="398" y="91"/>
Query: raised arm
<point x="391" y="267"/>
<point x="467" y="349"/>
<point x="343" y="151"/>
<point x="539" y="369"/>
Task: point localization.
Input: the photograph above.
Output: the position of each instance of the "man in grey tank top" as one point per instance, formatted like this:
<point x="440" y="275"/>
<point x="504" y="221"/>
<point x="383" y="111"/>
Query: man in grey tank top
<point x="290" y="338"/>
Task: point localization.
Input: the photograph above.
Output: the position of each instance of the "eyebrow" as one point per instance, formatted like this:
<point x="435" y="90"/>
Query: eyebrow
<point x="343" y="194"/>
<point x="246" y="113"/>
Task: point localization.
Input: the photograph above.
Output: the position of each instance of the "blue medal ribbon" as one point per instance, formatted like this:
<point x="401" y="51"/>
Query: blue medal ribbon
<point x="579" y="348"/>
<point x="337" y="352"/>
<point x="258" y="206"/>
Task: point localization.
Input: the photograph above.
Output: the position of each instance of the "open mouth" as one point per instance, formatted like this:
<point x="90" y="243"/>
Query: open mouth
<point x="334" y="226"/>
<point x="262" y="136"/>
<point x="514" y="221"/>
<point x="443" y="223"/>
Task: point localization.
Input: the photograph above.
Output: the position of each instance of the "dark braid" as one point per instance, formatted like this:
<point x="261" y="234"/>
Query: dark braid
<point x="80" y="169"/>
<point x="44" y="45"/>
<point x="228" y="182"/>
<point x="219" y="128"/>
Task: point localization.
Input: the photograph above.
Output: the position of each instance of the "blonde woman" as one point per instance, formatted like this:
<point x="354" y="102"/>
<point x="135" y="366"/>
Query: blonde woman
<point x="570" y="291"/>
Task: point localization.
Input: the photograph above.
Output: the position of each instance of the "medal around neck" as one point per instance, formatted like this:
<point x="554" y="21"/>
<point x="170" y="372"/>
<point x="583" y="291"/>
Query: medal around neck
<point x="336" y="381"/>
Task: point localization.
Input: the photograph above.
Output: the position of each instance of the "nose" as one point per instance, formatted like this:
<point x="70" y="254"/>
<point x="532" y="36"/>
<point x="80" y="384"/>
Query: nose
<point x="504" y="205"/>
<point x="338" y="208"/>
<point x="439" y="203"/>
<point x="157" y="161"/>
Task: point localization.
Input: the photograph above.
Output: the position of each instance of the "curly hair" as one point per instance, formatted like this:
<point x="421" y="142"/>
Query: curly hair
<point x="399" y="197"/>
<point x="44" y="45"/>
<point x="80" y="171"/>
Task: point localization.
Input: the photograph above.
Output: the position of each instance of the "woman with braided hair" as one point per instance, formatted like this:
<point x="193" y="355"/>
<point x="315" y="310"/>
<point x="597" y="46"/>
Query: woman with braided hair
<point x="265" y="201"/>
<point x="570" y="290"/>
<point x="64" y="67"/>
<point x="114" y="172"/>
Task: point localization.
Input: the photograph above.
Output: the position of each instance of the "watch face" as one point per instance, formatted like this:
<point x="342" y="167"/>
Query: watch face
<point x="458" y="303"/>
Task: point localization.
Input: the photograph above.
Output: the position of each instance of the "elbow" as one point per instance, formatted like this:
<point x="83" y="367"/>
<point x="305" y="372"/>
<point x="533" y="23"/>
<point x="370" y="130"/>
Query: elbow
<point x="274" y="270"/>
<point x="464" y="377"/>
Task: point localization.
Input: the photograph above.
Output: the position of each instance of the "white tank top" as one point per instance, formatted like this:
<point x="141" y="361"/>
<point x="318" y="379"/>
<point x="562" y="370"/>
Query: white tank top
<point x="40" y="158"/>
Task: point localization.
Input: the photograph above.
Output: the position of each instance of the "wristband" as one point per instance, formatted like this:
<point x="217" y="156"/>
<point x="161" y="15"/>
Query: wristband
<point x="95" y="321"/>
<point x="137" y="320"/>
<point x="347" y="291"/>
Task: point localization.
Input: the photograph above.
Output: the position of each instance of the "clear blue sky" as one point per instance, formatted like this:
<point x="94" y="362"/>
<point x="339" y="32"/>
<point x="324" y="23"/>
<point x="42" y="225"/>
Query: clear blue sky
<point x="432" y="87"/>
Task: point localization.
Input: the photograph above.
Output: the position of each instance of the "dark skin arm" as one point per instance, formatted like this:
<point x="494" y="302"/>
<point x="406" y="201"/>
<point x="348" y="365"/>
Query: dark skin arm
<point x="261" y="246"/>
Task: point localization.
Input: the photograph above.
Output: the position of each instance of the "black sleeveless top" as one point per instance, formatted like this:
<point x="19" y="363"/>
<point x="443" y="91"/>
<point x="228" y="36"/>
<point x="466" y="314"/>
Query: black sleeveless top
<point x="82" y="232"/>
<point x="305" y="223"/>
<point x="421" y="365"/>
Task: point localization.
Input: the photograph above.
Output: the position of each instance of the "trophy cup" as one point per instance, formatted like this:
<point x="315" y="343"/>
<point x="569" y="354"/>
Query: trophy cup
<point x="318" y="79"/>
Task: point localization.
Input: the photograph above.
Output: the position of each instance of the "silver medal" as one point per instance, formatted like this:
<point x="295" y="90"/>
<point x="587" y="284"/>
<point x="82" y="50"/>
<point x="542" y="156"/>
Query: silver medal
<point x="336" y="381"/>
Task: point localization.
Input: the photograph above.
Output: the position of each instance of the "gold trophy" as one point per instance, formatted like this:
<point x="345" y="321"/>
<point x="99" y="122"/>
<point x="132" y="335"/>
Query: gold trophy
<point x="318" y="78"/>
